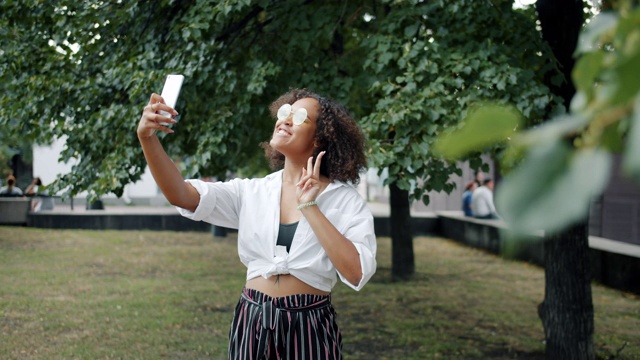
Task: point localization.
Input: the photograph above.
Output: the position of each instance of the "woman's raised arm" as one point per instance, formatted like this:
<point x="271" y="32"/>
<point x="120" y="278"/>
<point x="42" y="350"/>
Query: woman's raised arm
<point x="164" y="171"/>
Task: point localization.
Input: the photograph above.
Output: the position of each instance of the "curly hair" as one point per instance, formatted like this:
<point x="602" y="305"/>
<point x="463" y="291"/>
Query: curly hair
<point x="337" y="133"/>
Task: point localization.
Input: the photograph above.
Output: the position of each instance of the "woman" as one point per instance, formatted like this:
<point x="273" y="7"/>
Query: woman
<point x="466" y="197"/>
<point x="297" y="227"/>
<point x="41" y="199"/>
<point x="11" y="189"/>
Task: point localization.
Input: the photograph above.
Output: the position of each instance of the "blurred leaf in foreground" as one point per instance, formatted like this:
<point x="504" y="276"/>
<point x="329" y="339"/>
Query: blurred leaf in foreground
<point x="482" y="127"/>
<point x="552" y="187"/>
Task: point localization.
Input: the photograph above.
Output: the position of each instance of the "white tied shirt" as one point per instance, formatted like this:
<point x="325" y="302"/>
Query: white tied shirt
<point x="253" y="207"/>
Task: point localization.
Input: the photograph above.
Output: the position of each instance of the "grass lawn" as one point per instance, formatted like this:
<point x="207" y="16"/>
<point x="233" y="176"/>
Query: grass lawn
<point x="70" y="294"/>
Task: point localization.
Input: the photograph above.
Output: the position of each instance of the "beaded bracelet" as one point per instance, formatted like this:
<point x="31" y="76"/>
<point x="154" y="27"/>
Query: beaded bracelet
<point x="310" y="203"/>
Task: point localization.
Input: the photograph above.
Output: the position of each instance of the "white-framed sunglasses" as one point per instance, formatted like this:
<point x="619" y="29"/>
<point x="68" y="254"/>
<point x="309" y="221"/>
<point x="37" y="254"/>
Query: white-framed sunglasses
<point x="299" y="116"/>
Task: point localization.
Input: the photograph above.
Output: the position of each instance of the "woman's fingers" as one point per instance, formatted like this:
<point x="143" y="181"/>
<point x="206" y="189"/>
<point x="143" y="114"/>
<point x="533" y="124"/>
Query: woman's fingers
<point x="310" y="165"/>
<point x="314" y="169"/>
<point x="159" y="122"/>
<point x="311" y="174"/>
<point x="151" y="120"/>
<point x="303" y="179"/>
<point x="316" y="166"/>
<point x="156" y="104"/>
<point x="155" y="98"/>
<point x="310" y="179"/>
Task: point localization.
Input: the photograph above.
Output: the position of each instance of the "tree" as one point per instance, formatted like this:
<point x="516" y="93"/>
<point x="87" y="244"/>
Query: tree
<point x="567" y="309"/>
<point x="432" y="61"/>
<point x="570" y="159"/>
<point x="84" y="69"/>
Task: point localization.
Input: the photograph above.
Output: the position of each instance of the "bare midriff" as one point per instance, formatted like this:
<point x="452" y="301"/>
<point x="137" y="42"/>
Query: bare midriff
<point x="282" y="285"/>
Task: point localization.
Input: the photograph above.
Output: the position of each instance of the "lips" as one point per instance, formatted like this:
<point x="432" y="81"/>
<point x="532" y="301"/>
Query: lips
<point x="283" y="131"/>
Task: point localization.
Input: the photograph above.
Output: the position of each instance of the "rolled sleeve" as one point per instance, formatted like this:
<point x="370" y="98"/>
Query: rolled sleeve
<point x="206" y="204"/>
<point x="363" y="237"/>
<point x="219" y="203"/>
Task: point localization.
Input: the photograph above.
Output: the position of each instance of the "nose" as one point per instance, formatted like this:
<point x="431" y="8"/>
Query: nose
<point x="288" y="120"/>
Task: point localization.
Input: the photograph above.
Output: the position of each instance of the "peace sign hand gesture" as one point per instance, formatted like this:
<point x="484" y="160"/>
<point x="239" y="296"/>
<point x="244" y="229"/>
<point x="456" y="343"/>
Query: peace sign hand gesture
<point x="309" y="186"/>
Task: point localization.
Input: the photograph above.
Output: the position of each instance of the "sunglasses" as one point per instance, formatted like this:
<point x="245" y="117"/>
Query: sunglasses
<point x="299" y="116"/>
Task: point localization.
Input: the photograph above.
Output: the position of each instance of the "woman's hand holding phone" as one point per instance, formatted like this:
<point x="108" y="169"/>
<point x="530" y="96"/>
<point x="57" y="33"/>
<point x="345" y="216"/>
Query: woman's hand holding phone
<point x="171" y="91"/>
<point x="151" y="120"/>
<point x="159" y="112"/>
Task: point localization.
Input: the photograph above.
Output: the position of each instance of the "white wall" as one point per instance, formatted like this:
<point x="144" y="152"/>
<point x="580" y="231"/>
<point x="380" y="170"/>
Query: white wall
<point x="47" y="166"/>
<point x="45" y="161"/>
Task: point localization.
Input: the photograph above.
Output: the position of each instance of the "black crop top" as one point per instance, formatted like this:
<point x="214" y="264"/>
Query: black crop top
<point x="285" y="234"/>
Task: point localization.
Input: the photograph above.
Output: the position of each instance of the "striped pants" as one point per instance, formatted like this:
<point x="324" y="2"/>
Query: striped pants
<point x="295" y="327"/>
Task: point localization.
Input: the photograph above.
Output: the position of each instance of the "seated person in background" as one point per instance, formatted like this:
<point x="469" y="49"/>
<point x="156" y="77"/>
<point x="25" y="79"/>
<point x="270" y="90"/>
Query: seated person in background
<point x="482" y="205"/>
<point x="466" y="197"/>
<point x="42" y="200"/>
<point x="32" y="189"/>
<point x="11" y="189"/>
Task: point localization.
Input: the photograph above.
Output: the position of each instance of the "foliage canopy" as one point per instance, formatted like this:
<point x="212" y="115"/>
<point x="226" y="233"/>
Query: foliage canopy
<point x="567" y="162"/>
<point x="83" y="70"/>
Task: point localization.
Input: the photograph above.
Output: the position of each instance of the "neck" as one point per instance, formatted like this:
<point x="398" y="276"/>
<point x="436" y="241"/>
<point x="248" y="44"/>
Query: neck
<point x="292" y="171"/>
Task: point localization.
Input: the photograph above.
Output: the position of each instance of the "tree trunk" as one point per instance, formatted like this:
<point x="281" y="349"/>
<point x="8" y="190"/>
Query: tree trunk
<point x="561" y="22"/>
<point x="567" y="309"/>
<point x="402" y="260"/>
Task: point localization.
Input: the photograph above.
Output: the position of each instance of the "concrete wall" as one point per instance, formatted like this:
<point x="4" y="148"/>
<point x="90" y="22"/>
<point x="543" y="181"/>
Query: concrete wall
<point x="614" y="263"/>
<point x="101" y="221"/>
<point x="14" y="210"/>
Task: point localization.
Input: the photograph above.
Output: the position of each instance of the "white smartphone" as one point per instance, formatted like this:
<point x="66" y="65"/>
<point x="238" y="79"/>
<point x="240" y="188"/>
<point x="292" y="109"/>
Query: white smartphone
<point x="170" y="91"/>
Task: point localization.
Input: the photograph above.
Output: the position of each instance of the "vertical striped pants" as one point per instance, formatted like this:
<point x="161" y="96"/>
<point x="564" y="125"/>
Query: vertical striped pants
<point x="295" y="327"/>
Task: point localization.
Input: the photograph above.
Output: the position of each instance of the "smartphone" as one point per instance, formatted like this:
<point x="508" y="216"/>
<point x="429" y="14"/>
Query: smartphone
<point x="170" y="91"/>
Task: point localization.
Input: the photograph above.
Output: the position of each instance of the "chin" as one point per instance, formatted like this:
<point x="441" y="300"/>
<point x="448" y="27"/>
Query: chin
<point x="276" y="145"/>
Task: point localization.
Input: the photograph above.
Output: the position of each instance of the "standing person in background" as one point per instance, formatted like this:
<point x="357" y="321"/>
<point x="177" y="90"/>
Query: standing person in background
<point x="482" y="205"/>
<point x="466" y="197"/>
<point x="11" y="189"/>
<point x="298" y="228"/>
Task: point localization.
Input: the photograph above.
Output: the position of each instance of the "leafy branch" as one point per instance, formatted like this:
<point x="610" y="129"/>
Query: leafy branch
<point x="566" y="162"/>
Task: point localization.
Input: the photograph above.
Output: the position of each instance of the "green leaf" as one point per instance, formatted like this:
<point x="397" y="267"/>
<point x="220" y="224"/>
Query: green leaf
<point x="590" y="37"/>
<point x="557" y="128"/>
<point x="586" y="70"/>
<point x="411" y="30"/>
<point x="612" y="139"/>
<point x="553" y="187"/>
<point x="627" y="75"/>
<point x="426" y="199"/>
<point x="486" y="125"/>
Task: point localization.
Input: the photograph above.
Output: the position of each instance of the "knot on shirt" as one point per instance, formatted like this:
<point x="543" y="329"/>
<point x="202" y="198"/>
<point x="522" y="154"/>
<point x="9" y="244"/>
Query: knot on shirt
<point x="281" y="265"/>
